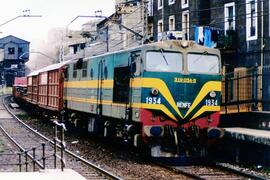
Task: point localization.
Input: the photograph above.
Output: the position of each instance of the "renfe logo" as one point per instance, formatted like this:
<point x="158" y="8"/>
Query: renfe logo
<point x="183" y="104"/>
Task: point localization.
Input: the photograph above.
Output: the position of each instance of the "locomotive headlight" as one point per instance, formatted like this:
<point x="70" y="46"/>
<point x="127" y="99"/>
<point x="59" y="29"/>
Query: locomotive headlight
<point x="154" y="91"/>
<point x="213" y="94"/>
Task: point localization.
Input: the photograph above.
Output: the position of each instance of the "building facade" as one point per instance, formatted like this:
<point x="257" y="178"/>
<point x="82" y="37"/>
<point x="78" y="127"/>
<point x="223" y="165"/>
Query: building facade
<point x="177" y="18"/>
<point x="239" y="28"/>
<point x="243" y="26"/>
<point x="14" y="55"/>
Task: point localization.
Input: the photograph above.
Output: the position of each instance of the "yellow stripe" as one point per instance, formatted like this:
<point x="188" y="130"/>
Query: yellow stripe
<point x="148" y="83"/>
<point x="205" y="109"/>
<point x="161" y="86"/>
<point x="88" y="84"/>
<point x="135" y="83"/>
<point x="209" y="86"/>
<point x="86" y="100"/>
<point x="134" y="105"/>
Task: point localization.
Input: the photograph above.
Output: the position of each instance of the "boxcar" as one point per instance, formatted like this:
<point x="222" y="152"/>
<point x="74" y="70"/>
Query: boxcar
<point x="32" y="87"/>
<point x="50" y="87"/>
<point x="19" y="89"/>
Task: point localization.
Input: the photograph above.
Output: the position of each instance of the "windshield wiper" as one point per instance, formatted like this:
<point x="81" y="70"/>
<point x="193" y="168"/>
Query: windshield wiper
<point x="215" y="65"/>
<point x="201" y="55"/>
<point x="162" y="53"/>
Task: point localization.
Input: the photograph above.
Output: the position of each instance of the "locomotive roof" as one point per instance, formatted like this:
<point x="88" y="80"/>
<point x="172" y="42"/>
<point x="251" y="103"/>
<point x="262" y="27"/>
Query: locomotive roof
<point x="162" y="44"/>
<point x="155" y="45"/>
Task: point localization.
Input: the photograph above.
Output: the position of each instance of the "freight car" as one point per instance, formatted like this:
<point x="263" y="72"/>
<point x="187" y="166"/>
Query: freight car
<point x="19" y="88"/>
<point x="45" y="90"/>
<point x="164" y="95"/>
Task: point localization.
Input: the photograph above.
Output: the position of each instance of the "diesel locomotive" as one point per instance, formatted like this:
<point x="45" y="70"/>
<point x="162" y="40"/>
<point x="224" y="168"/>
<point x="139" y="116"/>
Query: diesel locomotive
<point x="164" y="96"/>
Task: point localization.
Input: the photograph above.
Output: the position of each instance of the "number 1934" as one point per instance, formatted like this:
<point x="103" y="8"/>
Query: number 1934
<point x="153" y="100"/>
<point x="211" y="102"/>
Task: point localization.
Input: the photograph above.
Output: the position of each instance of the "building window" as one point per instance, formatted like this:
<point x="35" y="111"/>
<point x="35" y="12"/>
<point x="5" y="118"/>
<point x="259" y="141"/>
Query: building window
<point x="150" y="8"/>
<point x="171" y="2"/>
<point x="185" y="25"/>
<point x="229" y="19"/>
<point x="251" y="20"/>
<point x="184" y="3"/>
<point x="150" y="30"/>
<point x="171" y="23"/>
<point x="160" y="4"/>
<point x="160" y="26"/>
<point x="11" y="50"/>
<point x="160" y="30"/>
<point x="19" y="50"/>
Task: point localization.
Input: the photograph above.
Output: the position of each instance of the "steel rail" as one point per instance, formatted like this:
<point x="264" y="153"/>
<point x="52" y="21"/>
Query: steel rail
<point x="229" y="169"/>
<point x="20" y="147"/>
<point x="216" y="165"/>
<point x="171" y="168"/>
<point x="103" y="171"/>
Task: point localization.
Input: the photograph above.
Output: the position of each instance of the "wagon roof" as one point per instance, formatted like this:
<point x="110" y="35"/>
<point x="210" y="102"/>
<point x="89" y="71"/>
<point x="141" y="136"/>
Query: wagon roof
<point x="49" y="68"/>
<point x="33" y="73"/>
<point x="54" y="66"/>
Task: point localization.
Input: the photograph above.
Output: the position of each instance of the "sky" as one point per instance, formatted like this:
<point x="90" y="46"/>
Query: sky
<point x="55" y="13"/>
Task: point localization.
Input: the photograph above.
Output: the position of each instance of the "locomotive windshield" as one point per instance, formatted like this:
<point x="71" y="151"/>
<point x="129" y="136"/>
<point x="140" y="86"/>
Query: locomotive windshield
<point x="164" y="61"/>
<point x="203" y="63"/>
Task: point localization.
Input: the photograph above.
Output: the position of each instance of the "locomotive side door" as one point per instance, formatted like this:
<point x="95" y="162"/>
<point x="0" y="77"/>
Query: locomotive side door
<point x="122" y="91"/>
<point x="121" y="84"/>
<point x="101" y="65"/>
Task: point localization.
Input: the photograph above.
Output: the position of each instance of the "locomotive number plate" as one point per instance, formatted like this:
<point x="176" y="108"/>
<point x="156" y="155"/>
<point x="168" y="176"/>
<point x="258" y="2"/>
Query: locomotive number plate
<point x="153" y="100"/>
<point x="211" y="102"/>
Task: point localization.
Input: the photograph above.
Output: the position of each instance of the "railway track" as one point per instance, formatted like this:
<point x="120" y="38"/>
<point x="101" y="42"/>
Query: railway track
<point x="212" y="172"/>
<point x="32" y="143"/>
<point x="195" y="172"/>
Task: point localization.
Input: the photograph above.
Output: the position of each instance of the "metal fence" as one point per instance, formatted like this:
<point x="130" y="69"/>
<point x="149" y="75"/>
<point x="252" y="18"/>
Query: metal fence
<point x="36" y="158"/>
<point x="242" y="90"/>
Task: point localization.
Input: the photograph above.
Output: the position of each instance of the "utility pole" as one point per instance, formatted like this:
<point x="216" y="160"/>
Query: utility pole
<point x="262" y="48"/>
<point x="144" y="9"/>
<point x="262" y="35"/>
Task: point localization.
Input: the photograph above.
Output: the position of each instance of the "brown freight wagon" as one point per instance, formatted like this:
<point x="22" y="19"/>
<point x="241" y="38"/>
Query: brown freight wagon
<point x="19" y="88"/>
<point x="32" y="87"/>
<point x="50" y="87"/>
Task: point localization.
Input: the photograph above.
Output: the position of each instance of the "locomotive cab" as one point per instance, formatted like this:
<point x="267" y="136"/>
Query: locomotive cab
<point x="180" y="97"/>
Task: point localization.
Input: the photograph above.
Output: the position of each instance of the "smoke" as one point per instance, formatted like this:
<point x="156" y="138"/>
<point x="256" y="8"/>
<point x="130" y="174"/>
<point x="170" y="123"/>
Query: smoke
<point x="47" y="52"/>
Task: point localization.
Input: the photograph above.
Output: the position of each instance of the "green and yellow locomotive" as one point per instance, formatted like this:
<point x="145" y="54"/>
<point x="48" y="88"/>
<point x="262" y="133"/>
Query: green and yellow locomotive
<point x="164" y="95"/>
